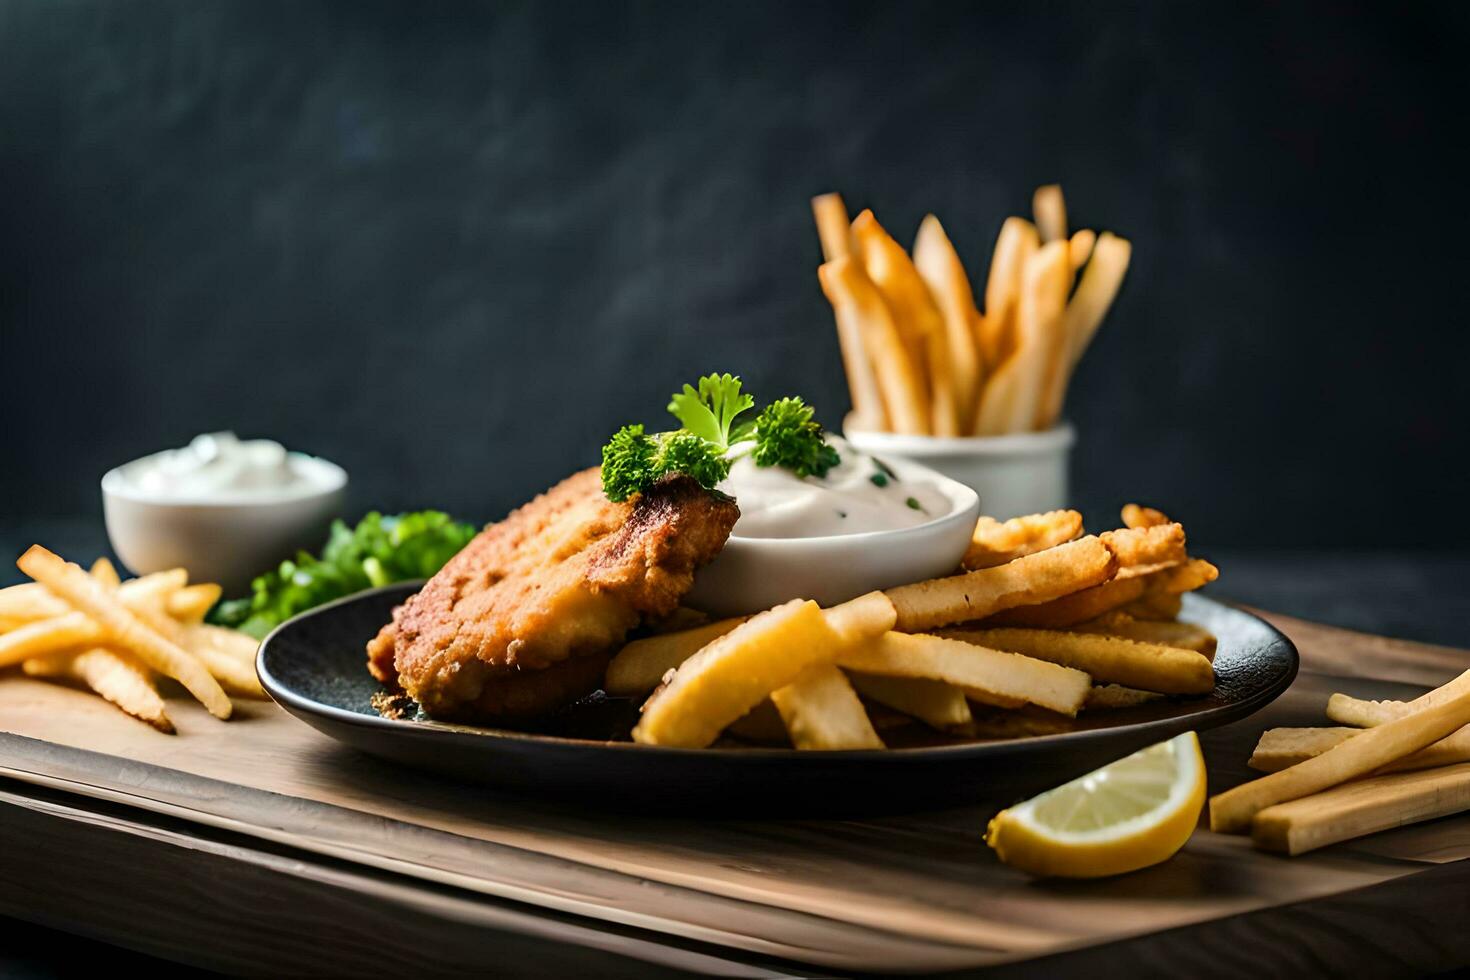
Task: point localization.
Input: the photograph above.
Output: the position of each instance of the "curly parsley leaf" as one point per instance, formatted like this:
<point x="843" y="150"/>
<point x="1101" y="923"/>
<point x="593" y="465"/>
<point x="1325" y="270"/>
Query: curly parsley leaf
<point x="710" y="412"/>
<point x="628" y="463"/>
<point x="787" y="434"/>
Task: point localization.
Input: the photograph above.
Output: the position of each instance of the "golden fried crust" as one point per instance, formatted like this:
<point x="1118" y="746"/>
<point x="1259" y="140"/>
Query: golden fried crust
<point x="524" y="618"/>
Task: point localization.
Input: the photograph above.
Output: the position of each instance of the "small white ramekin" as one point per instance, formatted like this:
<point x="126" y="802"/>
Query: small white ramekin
<point x="228" y="540"/>
<point x="1025" y="473"/>
<point x="752" y="574"/>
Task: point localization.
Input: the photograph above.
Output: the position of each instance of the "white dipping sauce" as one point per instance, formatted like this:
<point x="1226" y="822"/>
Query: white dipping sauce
<point x="856" y="496"/>
<point x="218" y="465"/>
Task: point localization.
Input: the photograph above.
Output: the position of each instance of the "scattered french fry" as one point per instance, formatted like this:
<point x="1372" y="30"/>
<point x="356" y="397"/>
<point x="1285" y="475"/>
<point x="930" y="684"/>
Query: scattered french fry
<point x="123" y="628"/>
<point x="1283" y="747"/>
<point x="1362" y="807"/>
<point x="1108" y="659"/>
<point x="832" y="226"/>
<point x="1160" y="544"/>
<point x="970" y="667"/>
<point x="640" y="666"/>
<point x="821" y="711"/>
<point x="190" y="603"/>
<point x="1136" y="515"/>
<point x="47" y="636"/>
<point x="1347" y="710"/>
<point x="1025" y="581"/>
<point x="936" y="704"/>
<point x="1233" y="810"/>
<point x="105" y="573"/>
<point x="996" y="542"/>
<point x="1186" y="636"/>
<point x="114" y="676"/>
<point x="1041" y="342"/>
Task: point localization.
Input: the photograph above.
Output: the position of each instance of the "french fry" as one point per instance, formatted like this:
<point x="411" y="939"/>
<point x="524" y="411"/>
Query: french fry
<point x="190" y="603"/>
<point x="1283" y="747"/>
<point x="639" y="666"/>
<point x="1041" y="343"/>
<point x="862" y="383"/>
<point x="914" y="314"/>
<point x="241" y="646"/>
<point x="32" y="601"/>
<point x="1233" y="810"/>
<point x="47" y="636"/>
<point x="1186" y="636"/>
<point x="1099" y="286"/>
<point x="1108" y="659"/>
<point x="123" y="628"/>
<point x="105" y="573"/>
<point x="936" y="704"/>
<point x="1160" y="544"/>
<point x="1154" y="607"/>
<point x="1079" y="247"/>
<point x="995" y="542"/>
<point x="732" y="674"/>
<point x="1050" y="210"/>
<point x="1090" y="303"/>
<point x="1075" y="607"/>
<point x="853" y="295"/>
<point x="1125" y="592"/>
<point x="1347" y="710"/>
<point x="1031" y="579"/>
<point x="1016" y="243"/>
<point x="1363" y="807"/>
<point x="114" y="676"/>
<point x="970" y="667"/>
<point x="235" y="675"/>
<point x="999" y="397"/>
<point x="1112" y="697"/>
<point x="821" y="711"/>
<point x="831" y="215"/>
<point x="940" y="266"/>
<point x="1136" y="515"/>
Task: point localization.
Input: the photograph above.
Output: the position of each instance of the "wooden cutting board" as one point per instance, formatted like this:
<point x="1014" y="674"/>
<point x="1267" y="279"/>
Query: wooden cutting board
<point x="245" y="830"/>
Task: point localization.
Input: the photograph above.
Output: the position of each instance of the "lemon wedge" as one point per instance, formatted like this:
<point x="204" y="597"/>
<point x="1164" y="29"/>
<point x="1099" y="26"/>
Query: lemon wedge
<point x="1127" y="815"/>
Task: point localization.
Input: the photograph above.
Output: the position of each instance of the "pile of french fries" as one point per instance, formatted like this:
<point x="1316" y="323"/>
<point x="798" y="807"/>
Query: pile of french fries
<point x="117" y="637"/>
<point x="922" y="359"/>
<point x="1391" y="763"/>
<point x="1044" y="623"/>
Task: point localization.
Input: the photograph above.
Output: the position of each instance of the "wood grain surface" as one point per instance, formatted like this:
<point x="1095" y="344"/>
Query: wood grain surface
<point x="898" y="894"/>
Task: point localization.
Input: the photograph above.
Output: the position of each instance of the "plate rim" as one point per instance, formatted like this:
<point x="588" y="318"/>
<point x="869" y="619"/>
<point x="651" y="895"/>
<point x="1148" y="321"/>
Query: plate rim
<point x="297" y="704"/>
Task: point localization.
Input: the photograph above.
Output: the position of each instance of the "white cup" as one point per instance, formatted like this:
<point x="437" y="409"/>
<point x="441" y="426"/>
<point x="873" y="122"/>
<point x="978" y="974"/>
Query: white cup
<point x="1025" y="473"/>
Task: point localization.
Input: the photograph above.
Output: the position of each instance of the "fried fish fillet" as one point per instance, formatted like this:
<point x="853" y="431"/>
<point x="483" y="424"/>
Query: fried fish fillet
<point x="526" y="617"/>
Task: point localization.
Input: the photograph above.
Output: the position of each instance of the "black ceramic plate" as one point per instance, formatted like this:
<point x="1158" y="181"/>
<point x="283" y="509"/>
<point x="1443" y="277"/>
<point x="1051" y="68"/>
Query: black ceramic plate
<point x="314" y="666"/>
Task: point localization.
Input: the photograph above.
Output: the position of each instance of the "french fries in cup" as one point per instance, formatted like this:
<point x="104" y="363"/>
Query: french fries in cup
<point x="977" y="394"/>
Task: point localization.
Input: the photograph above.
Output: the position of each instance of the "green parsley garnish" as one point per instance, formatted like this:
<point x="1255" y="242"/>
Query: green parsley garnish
<point x="785" y="433"/>
<point x="879" y="479"/>
<point x="913" y="502"/>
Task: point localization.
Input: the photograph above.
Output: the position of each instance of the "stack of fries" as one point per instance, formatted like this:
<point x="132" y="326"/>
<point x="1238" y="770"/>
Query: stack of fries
<point x="117" y="637"/>
<point x="1045" y="623"/>
<point x="1394" y="763"/>
<point x="922" y="360"/>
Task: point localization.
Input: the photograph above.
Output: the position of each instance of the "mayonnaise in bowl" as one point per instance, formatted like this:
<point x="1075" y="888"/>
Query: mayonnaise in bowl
<point x="218" y="467"/>
<point x="859" y="495"/>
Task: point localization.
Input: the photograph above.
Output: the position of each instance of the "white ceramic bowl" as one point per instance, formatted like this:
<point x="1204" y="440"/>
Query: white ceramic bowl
<point x="752" y="574"/>
<point x="1017" y="474"/>
<point x="229" y="540"/>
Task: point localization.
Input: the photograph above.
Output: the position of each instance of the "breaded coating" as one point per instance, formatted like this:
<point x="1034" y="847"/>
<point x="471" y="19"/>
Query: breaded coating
<point x="525" y="618"/>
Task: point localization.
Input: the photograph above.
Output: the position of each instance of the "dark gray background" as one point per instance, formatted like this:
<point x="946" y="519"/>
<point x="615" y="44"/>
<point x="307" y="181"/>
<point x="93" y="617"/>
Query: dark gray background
<point x="453" y="246"/>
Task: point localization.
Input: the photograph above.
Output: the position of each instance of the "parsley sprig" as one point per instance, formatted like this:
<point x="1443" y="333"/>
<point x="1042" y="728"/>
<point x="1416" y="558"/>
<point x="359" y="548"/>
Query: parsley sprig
<point x="785" y="433"/>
